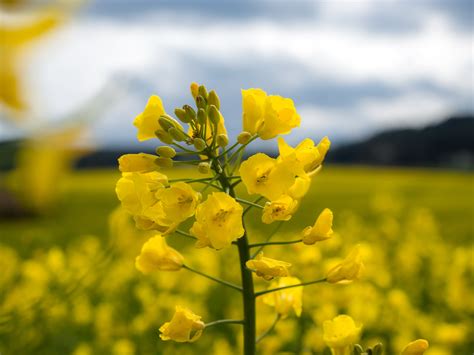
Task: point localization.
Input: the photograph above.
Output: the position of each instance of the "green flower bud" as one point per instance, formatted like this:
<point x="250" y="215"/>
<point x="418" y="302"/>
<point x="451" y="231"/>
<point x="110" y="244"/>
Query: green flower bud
<point x="181" y="114"/>
<point x="201" y="102"/>
<point x="204" y="168"/>
<point x="213" y="99"/>
<point x="214" y="115"/>
<point x="222" y="140"/>
<point x="166" y="122"/>
<point x="202" y="116"/>
<point x="244" y="137"/>
<point x="190" y="113"/>
<point x="164" y="162"/>
<point x="377" y="349"/>
<point x="199" y="144"/>
<point x="166" y="152"/>
<point x="164" y="137"/>
<point x="177" y="134"/>
<point x="358" y="350"/>
<point x="202" y="91"/>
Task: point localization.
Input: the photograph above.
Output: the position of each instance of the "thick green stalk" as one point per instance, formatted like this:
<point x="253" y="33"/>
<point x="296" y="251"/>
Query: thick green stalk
<point x="248" y="293"/>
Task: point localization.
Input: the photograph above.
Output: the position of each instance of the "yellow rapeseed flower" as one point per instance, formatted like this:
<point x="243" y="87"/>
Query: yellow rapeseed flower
<point x="179" y="201"/>
<point x="417" y="347"/>
<point x="300" y="188"/>
<point x="218" y="221"/>
<point x="268" y="268"/>
<point x="136" y="191"/>
<point x="306" y="155"/>
<point x="280" y="209"/>
<point x="266" y="176"/>
<point x="140" y="163"/>
<point x="185" y="326"/>
<point x="349" y="270"/>
<point x="340" y="334"/>
<point x="321" y="230"/>
<point x="285" y="300"/>
<point x="157" y="255"/>
<point x="268" y="116"/>
<point x="148" y="125"/>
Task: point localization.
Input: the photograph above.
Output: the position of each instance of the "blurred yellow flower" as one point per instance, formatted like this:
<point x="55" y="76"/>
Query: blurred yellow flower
<point x="285" y="300"/>
<point x="266" y="176"/>
<point x="280" y="209"/>
<point x="349" y="270"/>
<point x="185" y="326"/>
<point x="268" y="268"/>
<point x="218" y="221"/>
<point x="417" y="347"/>
<point x="321" y="230"/>
<point x="157" y="255"/>
<point x="140" y="163"/>
<point x="13" y="39"/>
<point x="340" y="334"/>
<point x="268" y="116"/>
<point x="148" y="124"/>
<point x="179" y="201"/>
<point x="306" y="156"/>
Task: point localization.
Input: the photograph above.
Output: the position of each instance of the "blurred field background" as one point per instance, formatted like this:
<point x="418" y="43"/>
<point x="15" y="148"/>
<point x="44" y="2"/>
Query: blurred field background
<point x="389" y="82"/>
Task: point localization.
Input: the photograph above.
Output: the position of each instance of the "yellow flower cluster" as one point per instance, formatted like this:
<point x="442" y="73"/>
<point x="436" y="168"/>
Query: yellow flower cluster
<point x="162" y="205"/>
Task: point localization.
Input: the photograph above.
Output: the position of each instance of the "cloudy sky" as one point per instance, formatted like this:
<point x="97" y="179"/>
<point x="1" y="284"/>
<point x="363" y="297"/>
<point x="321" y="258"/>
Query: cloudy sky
<point x="352" y="67"/>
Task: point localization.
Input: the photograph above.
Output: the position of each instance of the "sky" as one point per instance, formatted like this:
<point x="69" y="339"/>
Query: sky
<point x="352" y="67"/>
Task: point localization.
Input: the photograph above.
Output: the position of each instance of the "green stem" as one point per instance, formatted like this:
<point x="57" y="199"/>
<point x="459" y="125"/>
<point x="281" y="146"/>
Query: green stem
<point x="257" y="294"/>
<point x="275" y="243"/>
<point x="184" y="234"/>
<point x="249" y="207"/>
<point x="223" y="282"/>
<point x="269" y="330"/>
<point x="248" y="202"/>
<point x="224" y="321"/>
<point x="248" y="296"/>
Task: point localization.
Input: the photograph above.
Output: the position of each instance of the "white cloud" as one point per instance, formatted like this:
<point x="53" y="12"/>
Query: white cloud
<point x="75" y="63"/>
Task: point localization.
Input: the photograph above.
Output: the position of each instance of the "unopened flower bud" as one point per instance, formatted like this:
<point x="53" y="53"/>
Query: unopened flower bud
<point x="190" y="113"/>
<point x="181" y="114"/>
<point x="214" y="114"/>
<point x="199" y="144"/>
<point x="194" y="90"/>
<point x="164" y="136"/>
<point x="222" y="140"/>
<point x="177" y="134"/>
<point x="202" y="91"/>
<point x="377" y="349"/>
<point x="204" y="168"/>
<point x="202" y="116"/>
<point x="358" y="350"/>
<point x="244" y="137"/>
<point x="201" y="102"/>
<point x="166" y="122"/>
<point x="213" y="99"/>
<point x="164" y="162"/>
<point x="166" y="152"/>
